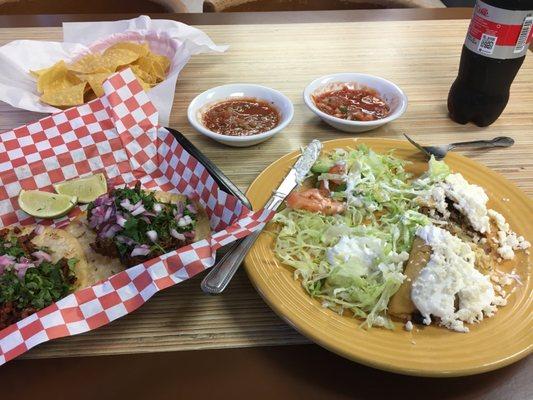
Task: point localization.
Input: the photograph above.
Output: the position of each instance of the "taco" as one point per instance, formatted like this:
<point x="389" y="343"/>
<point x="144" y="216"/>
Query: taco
<point x="128" y="226"/>
<point x="38" y="266"/>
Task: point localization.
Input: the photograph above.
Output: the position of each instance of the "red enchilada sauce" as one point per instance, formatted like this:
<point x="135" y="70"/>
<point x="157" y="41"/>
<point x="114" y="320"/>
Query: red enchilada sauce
<point x="241" y="117"/>
<point x="352" y="104"/>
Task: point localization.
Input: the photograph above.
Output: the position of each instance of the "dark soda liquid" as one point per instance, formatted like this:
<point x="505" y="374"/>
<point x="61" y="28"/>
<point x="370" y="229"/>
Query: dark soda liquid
<point x="511" y="4"/>
<point x="481" y="90"/>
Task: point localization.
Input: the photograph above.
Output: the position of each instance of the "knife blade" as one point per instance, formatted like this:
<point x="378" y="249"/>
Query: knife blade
<point x="296" y="175"/>
<point x="220" y="275"/>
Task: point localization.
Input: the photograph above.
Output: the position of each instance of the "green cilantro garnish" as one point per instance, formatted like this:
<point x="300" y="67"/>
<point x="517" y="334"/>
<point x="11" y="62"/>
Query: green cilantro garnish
<point x="38" y="288"/>
<point x="12" y="249"/>
<point x="41" y="284"/>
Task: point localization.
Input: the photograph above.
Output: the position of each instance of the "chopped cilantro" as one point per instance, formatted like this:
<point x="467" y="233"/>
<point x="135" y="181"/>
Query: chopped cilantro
<point x="12" y="249"/>
<point x="40" y="286"/>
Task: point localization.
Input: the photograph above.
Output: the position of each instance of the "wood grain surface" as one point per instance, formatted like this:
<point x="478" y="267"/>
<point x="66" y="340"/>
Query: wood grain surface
<point x="420" y="56"/>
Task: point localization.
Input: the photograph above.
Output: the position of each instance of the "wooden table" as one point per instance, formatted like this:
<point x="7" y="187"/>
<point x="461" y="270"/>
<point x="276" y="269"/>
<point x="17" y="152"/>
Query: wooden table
<point x="422" y="58"/>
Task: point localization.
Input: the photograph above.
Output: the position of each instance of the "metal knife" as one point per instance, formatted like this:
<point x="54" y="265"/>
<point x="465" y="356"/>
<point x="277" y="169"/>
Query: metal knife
<point x="220" y="275"/>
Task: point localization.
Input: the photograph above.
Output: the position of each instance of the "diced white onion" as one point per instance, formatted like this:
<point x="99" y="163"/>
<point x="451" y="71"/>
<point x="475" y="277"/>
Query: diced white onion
<point x="174" y="233"/>
<point x="142" y="250"/>
<point x="41" y="255"/>
<point x="138" y="210"/>
<point x="121" y="220"/>
<point x="152" y="235"/>
<point x="126" y="204"/>
<point x="184" y="221"/>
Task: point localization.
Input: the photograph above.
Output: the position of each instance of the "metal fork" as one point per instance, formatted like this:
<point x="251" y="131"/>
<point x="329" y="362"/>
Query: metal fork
<point x="440" y="151"/>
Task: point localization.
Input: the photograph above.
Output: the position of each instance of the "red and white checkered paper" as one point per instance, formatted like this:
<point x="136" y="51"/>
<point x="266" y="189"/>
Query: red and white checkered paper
<point x="118" y="135"/>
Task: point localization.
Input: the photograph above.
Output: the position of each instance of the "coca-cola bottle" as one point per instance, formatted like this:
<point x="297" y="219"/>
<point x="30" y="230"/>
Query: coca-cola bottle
<point x="495" y="47"/>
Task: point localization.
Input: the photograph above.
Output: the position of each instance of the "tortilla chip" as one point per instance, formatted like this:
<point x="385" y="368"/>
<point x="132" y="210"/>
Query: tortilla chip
<point x="61" y="84"/>
<point x="95" y="81"/>
<point x="145" y="64"/>
<point x="71" y="96"/>
<point x="158" y="70"/>
<point x="145" y="85"/>
<point x="113" y="58"/>
<point x="152" y="67"/>
<point x="56" y="77"/>
<point x="140" y="73"/>
<point x="38" y="72"/>
<point x="161" y="65"/>
<point x="163" y="60"/>
<point x="137" y="48"/>
<point x="89" y="64"/>
<point x="67" y="81"/>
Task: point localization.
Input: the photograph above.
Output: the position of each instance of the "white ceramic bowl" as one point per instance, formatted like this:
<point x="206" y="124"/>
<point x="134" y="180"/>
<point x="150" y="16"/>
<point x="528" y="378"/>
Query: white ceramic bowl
<point x="234" y="91"/>
<point x="388" y="91"/>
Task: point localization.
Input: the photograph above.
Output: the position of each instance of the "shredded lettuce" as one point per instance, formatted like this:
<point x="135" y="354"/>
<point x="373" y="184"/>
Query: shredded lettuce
<point x="381" y="205"/>
<point x="438" y="170"/>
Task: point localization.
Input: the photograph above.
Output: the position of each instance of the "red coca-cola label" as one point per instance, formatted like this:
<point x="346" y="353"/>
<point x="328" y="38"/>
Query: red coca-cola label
<point x="498" y="33"/>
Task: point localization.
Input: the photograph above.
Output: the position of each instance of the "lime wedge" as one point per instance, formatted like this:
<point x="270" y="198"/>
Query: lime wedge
<point x="45" y="204"/>
<point x="85" y="189"/>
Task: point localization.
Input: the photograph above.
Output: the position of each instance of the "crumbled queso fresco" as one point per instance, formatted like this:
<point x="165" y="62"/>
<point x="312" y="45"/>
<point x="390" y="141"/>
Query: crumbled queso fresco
<point x="471" y="200"/>
<point x="451" y="273"/>
<point x="508" y="241"/>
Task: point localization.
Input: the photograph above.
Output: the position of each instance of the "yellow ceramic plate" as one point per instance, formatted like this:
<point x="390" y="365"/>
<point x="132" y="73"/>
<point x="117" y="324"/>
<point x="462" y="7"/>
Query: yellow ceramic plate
<point x="426" y="351"/>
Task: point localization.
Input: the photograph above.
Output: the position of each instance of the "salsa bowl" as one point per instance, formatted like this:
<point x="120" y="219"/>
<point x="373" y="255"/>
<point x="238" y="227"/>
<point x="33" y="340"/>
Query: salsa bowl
<point x="388" y="91"/>
<point x="211" y="97"/>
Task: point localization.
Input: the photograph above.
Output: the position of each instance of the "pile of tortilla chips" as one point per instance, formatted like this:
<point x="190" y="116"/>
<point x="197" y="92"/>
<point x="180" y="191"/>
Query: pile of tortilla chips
<point x="65" y="85"/>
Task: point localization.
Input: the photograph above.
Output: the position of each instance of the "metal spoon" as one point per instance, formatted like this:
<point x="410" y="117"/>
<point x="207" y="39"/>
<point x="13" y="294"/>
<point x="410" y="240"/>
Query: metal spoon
<point x="440" y="151"/>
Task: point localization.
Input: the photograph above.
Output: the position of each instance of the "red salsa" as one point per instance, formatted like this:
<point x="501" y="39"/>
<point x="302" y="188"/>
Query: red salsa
<point x="241" y="117"/>
<point x="352" y="104"/>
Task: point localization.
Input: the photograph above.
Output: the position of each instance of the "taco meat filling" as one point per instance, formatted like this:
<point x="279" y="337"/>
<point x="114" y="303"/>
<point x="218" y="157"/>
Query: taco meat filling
<point x="133" y="225"/>
<point x="29" y="279"/>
